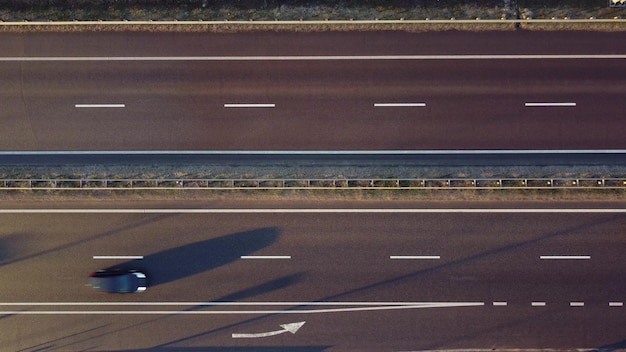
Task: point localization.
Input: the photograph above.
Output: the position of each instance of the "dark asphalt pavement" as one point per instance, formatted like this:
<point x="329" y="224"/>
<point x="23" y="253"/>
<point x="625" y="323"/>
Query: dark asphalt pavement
<point x="339" y="277"/>
<point x="319" y="105"/>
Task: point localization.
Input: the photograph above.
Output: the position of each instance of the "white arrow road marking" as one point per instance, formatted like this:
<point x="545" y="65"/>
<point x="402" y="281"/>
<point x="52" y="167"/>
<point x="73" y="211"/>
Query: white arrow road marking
<point x="291" y="327"/>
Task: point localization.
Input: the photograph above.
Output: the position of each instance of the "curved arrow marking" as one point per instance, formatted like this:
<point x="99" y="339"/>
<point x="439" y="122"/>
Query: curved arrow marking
<point x="291" y="327"/>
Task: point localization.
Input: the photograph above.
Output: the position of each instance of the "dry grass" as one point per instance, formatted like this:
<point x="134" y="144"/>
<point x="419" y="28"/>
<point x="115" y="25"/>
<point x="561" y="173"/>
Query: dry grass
<point x="548" y="195"/>
<point x="301" y="28"/>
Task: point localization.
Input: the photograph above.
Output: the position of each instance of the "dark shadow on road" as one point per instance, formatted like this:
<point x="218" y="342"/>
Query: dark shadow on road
<point x="194" y="258"/>
<point x="9" y="247"/>
<point x="14" y="242"/>
<point x="57" y="344"/>
<point x="273" y="285"/>
<point x="613" y="347"/>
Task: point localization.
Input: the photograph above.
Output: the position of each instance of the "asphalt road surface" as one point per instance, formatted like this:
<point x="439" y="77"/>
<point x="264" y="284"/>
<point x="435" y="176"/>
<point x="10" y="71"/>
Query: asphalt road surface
<point x="364" y="280"/>
<point x="322" y="91"/>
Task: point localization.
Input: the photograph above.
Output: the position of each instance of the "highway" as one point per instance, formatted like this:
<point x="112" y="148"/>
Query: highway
<point x="362" y="276"/>
<point x="389" y="91"/>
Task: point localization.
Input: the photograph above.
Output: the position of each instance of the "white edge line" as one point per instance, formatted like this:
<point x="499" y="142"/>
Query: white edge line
<point x="565" y="257"/>
<point x="100" y="105"/>
<point x="550" y="104"/>
<point x="315" y="211"/>
<point x="298" y="311"/>
<point x="231" y="303"/>
<point x="265" y="257"/>
<point x="311" y="57"/>
<point x="414" y="257"/>
<point x="309" y="22"/>
<point x="117" y="257"/>
<point x="317" y="152"/>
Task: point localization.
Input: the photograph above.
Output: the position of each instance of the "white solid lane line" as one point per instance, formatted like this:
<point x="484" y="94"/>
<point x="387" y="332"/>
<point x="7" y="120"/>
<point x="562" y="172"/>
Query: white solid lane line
<point x="550" y="104"/>
<point x="316" y="211"/>
<point x="100" y="105"/>
<point x="315" y="58"/>
<point x="565" y="257"/>
<point x="414" y="257"/>
<point x="117" y="257"/>
<point x="247" y="105"/>
<point x="265" y="257"/>
<point x="385" y="105"/>
<point x="316" y="152"/>
<point x="382" y="306"/>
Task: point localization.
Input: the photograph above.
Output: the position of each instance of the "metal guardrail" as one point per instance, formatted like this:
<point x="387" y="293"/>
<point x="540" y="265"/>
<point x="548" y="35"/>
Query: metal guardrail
<point x="314" y="184"/>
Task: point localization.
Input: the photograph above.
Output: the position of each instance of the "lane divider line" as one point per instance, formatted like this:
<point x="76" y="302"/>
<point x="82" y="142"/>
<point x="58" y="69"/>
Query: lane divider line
<point x="414" y="257"/>
<point x="550" y="104"/>
<point x="118" y="257"/>
<point x="565" y="257"/>
<point x="100" y="105"/>
<point x="616" y="304"/>
<point x="265" y="257"/>
<point x="385" y="105"/>
<point x="576" y="304"/>
<point x="500" y="304"/>
<point x="538" y="304"/>
<point x="246" y="105"/>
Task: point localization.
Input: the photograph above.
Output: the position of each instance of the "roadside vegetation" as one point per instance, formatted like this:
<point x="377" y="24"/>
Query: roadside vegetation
<point x="269" y="10"/>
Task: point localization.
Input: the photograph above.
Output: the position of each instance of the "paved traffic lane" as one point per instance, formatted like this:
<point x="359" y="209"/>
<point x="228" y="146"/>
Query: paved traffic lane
<point x="317" y="105"/>
<point x="321" y="43"/>
<point x="344" y="269"/>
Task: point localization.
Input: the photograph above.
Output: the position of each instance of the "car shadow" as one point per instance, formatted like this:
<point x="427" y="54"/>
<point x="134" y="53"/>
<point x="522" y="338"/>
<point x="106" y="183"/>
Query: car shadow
<point x="194" y="258"/>
<point x="613" y="347"/>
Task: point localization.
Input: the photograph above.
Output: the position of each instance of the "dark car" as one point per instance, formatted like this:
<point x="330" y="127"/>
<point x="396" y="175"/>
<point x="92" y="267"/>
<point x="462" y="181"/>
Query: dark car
<point x="118" y="281"/>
